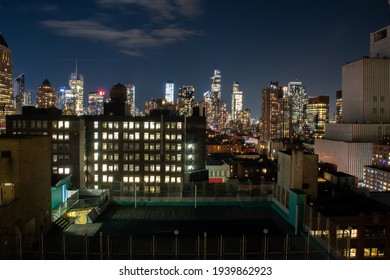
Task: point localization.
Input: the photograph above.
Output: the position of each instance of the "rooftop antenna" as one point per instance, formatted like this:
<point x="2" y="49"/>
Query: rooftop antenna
<point x="76" y="60"/>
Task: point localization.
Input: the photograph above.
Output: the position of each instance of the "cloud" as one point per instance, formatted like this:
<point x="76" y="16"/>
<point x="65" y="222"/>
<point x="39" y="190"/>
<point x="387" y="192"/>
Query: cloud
<point x="131" y="42"/>
<point x="162" y="9"/>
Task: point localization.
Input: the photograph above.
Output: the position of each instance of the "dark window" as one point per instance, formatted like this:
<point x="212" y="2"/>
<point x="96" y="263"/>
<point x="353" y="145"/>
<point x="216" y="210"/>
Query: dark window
<point x="5" y="154"/>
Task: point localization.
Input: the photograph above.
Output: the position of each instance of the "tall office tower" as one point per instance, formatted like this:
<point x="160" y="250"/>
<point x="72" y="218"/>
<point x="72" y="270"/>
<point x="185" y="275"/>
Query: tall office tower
<point x="297" y="94"/>
<point x="339" y="106"/>
<point x="272" y="112"/>
<point x="96" y="103"/>
<point x="18" y="91"/>
<point x="236" y="100"/>
<point x="317" y="114"/>
<point x="131" y="99"/>
<point x="76" y="84"/>
<point x="365" y="110"/>
<point x="186" y="100"/>
<point x="216" y="112"/>
<point x="244" y="121"/>
<point x="67" y="100"/>
<point x="6" y="106"/>
<point x="27" y="101"/>
<point x="169" y="91"/>
<point x="46" y="96"/>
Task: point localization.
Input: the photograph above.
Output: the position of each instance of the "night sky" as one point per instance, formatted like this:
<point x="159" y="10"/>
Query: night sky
<point x="147" y="42"/>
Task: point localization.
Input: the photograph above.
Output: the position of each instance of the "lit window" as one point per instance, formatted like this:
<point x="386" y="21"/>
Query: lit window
<point x="96" y="145"/>
<point x="137" y="179"/>
<point x="67" y="170"/>
<point x="96" y="167"/>
<point x="146" y="125"/>
<point x="158" y="125"/>
<point x="152" y="125"/>
<point x="178" y="179"/>
<point x="96" y="124"/>
<point x="167" y="179"/>
<point x="146" y="179"/>
<point x="110" y="179"/>
<point x="116" y="135"/>
<point x="125" y="125"/>
<point x="104" y="178"/>
<point x="131" y="125"/>
<point x="104" y="135"/>
<point x="96" y="178"/>
<point x="137" y="136"/>
<point x="60" y="170"/>
<point x="146" y="135"/>
<point x="55" y="158"/>
<point x="167" y="168"/>
<point x="96" y="156"/>
<point x="60" y="124"/>
<point x="179" y="125"/>
<point x="66" y="124"/>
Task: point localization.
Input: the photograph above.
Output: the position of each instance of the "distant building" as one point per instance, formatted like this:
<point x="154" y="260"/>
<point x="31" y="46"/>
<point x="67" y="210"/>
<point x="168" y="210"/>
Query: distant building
<point x="339" y="106"/>
<point x="272" y="112"/>
<point x="170" y="91"/>
<point x="237" y="96"/>
<point x="67" y="99"/>
<point x="219" y="171"/>
<point x="6" y="104"/>
<point x="185" y="102"/>
<point x="96" y="103"/>
<point x="297" y="102"/>
<point x="380" y="43"/>
<point x="131" y="99"/>
<point x="154" y="154"/>
<point x="365" y="113"/>
<point x="297" y="170"/>
<point x="317" y="114"/>
<point x="25" y="200"/>
<point x="76" y="84"/>
<point x="66" y="136"/>
<point x="216" y="113"/>
<point x="18" y="93"/>
<point x="244" y="121"/>
<point x="376" y="176"/>
<point x="46" y="96"/>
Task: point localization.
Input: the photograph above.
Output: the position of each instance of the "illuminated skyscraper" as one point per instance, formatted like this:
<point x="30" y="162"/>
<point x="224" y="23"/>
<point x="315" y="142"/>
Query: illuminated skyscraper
<point x="46" y="96"/>
<point x="298" y="99"/>
<point x="216" y="113"/>
<point x="272" y="112"/>
<point x="317" y="114"/>
<point x="186" y="100"/>
<point x="236" y="100"/>
<point x="339" y="106"/>
<point x="96" y="103"/>
<point x="68" y="100"/>
<point x="169" y="91"/>
<point x="76" y="84"/>
<point x="18" y="91"/>
<point x="131" y="99"/>
<point x="6" y="106"/>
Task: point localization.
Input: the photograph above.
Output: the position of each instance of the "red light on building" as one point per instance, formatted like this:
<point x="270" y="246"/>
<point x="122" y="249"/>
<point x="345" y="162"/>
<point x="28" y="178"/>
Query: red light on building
<point x="101" y="93"/>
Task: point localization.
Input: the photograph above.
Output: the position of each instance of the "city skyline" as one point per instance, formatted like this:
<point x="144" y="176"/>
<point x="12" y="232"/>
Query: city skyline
<point x="146" y="43"/>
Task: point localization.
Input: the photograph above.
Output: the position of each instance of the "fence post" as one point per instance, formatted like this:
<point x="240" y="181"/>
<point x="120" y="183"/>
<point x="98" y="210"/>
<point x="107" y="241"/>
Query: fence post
<point x="205" y="245"/>
<point x="243" y="247"/>
<point x="131" y="247"/>
<point x="64" y="246"/>
<point x="108" y="246"/>
<point x="153" y="247"/>
<point x="221" y="247"/>
<point x="101" y="244"/>
<point x="287" y="245"/>
<point x="86" y="246"/>
<point x="42" y="247"/>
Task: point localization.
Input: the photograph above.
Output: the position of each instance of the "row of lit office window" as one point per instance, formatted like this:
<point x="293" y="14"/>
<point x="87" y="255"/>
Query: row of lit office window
<point x="136" y="157"/>
<point x="137" y="136"/>
<point x="138" y="125"/>
<point x="137" y="179"/>
<point x="136" y="146"/>
<point x="61" y="170"/>
<point x="136" y="167"/>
